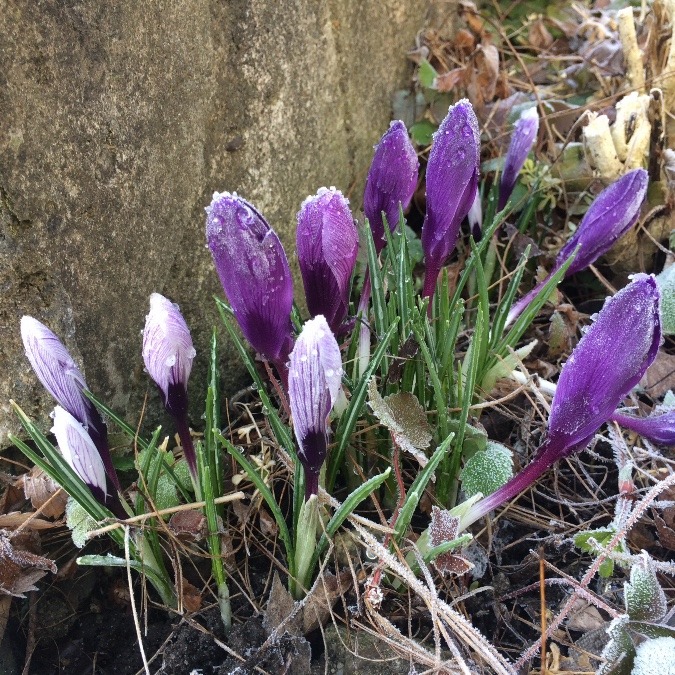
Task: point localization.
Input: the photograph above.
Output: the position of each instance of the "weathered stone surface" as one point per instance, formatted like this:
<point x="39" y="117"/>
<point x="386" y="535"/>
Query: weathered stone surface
<point x="117" y="122"/>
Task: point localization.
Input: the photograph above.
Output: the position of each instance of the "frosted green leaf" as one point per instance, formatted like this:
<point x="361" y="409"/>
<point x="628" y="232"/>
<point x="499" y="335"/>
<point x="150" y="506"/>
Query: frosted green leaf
<point x="506" y="366"/>
<point x="655" y="657"/>
<point x="166" y="495"/>
<point x="79" y="522"/>
<point x="666" y="282"/>
<point x="618" y="652"/>
<point x="643" y="595"/>
<point x="487" y="470"/>
<point x="182" y="473"/>
<point x="594" y="541"/>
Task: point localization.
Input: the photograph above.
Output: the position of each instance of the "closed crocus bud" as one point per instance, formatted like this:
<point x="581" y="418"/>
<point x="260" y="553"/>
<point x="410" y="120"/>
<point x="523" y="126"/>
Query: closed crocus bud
<point x="168" y="354"/>
<point x="327" y="242"/>
<point x="523" y="138"/>
<point x="254" y="272"/>
<point x="391" y="181"/>
<point x="61" y="377"/>
<point x="613" y="212"/>
<point x="315" y="374"/>
<point x="609" y="360"/>
<point x="79" y="451"/>
<point x="452" y="182"/>
<point x="658" y="428"/>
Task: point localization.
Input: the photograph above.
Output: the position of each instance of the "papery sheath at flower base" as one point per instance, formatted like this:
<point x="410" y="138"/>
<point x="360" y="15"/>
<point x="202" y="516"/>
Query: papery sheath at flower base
<point x="523" y="138"/>
<point x="611" y="214"/>
<point x="657" y="427"/>
<point x="391" y="181"/>
<point x="315" y="375"/>
<point x="609" y="360"/>
<point x="253" y="270"/>
<point x="452" y="183"/>
<point x="327" y="243"/>
<point x="168" y="353"/>
<point x="61" y="377"/>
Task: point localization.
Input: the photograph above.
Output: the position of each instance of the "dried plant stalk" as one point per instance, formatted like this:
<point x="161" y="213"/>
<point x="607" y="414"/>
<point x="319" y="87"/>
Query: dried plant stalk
<point x="631" y="51"/>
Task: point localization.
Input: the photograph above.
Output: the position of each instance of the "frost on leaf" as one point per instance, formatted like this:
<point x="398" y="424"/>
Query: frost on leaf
<point x="618" y="652"/>
<point x="487" y="470"/>
<point x="655" y="657"/>
<point x="666" y="282"/>
<point x="20" y="569"/>
<point x="79" y="522"/>
<point x="444" y="527"/>
<point x="644" y="597"/>
<point x="405" y="418"/>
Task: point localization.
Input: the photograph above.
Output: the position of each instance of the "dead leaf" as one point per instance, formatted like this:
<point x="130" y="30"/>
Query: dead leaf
<point x="483" y="79"/>
<point x="192" y="598"/>
<point x="444" y="527"/>
<point x="11" y="521"/>
<point x="42" y="492"/>
<point x="664" y="528"/>
<point x="539" y="36"/>
<point x="20" y="569"/>
<point x="319" y="604"/>
<point x="584" y="617"/>
<point x="281" y="610"/>
<point x="464" y="41"/>
<point x="660" y="376"/>
<point x="268" y="526"/>
<point x="448" y="81"/>
<point x="188" y="525"/>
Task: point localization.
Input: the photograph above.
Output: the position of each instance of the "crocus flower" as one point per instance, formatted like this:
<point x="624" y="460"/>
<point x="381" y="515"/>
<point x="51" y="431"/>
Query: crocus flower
<point x="522" y="140"/>
<point x="168" y="354"/>
<point x="254" y="272"/>
<point x="391" y="181"/>
<point x="328" y="242"/>
<point x="609" y="360"/>
<point x="61" y="377"/>
<point x="613" y="212"/>
<point x="475" y="218"/>
<point x="658" y="428"/>
<point x="315" y="374"/>
<point x="452" y="182"/>
<point x="79" y="451"/>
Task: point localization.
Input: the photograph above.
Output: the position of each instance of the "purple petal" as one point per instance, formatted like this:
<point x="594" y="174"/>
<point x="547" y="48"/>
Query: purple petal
<point x="452" y="182"/>
<point x="606" y="364"/>
<point x="658" y="428"/>
<point x="391" y="180"/>
<point x="613" y="212"/>
<point x="327" y="242"/>
<point x="80" y="452"/>
<point x="167" y="349"/>
<point x="254" y="272"/>
<point x="523" y="138"/>
<point x="315" y="375"/>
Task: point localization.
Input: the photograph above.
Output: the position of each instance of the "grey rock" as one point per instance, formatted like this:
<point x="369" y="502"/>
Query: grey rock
<point x="117" y="122"/>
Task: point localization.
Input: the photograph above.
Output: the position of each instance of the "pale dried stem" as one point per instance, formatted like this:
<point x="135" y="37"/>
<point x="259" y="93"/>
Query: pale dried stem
<point x="600" y="147"/>
<point x="631" y="51"/>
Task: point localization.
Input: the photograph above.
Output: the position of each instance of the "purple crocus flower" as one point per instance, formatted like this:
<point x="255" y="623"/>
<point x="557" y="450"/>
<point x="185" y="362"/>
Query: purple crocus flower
<point x="658" y="428"/>
<point x="391" y="181"/>
<point x="61" y="377"/>
<point x="613" y="212"/>
<point x="253" y="269"/>
<point x="609" y="360"/>
<point x="79" y="451"/>
<point x="452" y="182"/>
<point x="328" y="242"/>
<point x="315" y="375"/>
<point x="168" y="354"/>
<point x="523" y="138"/>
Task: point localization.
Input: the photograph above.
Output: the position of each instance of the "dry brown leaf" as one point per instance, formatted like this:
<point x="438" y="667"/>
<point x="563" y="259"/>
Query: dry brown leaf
<point x="464" y="41"/>
<point x="20" y="569"/>
<point x="584" y="617"/>
<point x="192" y="598"/>
<point x="40" y="488"/>
<point x="539" y="36"/>
<point x="660" y="376"/>
<point x="448" y="81"/>
<point x="445" y="527"/>
<point x="11" y="521"/>
<point x="664" y="528"/>
<point x="188" y="525"/>
<point x="483" y="79"/>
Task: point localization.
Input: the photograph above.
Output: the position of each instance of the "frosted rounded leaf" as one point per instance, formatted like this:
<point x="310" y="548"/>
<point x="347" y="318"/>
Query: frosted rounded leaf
<point x="655" y="657"/>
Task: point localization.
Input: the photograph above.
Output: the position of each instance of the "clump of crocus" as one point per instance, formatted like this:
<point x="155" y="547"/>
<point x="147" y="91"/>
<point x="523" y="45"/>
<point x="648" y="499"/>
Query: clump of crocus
<point x="609" y="360"/>
<point x="391" y="181"/>
<point x="79" y="451"/>
<point x="168" y="354"/>
<point x="253" y="269"/>
<point x="60" y="376"/>
<point x="613" y="212"/>
<point x="327" y="242"/>
<point x="523" y="138"/>
<point x="452" y="182"/>
<point x="315" y="376"/>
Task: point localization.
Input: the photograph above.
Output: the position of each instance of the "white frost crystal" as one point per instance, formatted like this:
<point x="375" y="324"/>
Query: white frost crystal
<point x="655" y="657"/>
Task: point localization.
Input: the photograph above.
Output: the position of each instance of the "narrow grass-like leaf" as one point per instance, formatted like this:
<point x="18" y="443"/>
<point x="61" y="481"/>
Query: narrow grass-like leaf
<point x="446" y="547"/>
<point x="376" y="284"/>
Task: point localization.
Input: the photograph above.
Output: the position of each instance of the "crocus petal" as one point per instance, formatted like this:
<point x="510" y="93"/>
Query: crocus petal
<point x="391" y="180"/>
<point x="475" y="217"/>
<point x="56" y="369"/>
<point x="79" y="451"/>
<point x="658" y="428"/>
<point x="168" y="351"/>
<point x="315" y="374"/>
<point x="253" y="269"/>
<point x="452" y="182"/>
<point x="523" y="138"/>
<point x="613" y="212"/>
<point x="327" y="242"/>
<point x="609" y="360"/>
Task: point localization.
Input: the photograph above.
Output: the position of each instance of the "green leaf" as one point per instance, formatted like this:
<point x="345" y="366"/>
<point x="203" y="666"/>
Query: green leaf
<point x="487" y="470"/>
<point x="666" y="282"/>
<point x="79" y="522"/>
<point x="427" y="74"/>
<point x="422" y="132"/>
<point x="643" y="595"/>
